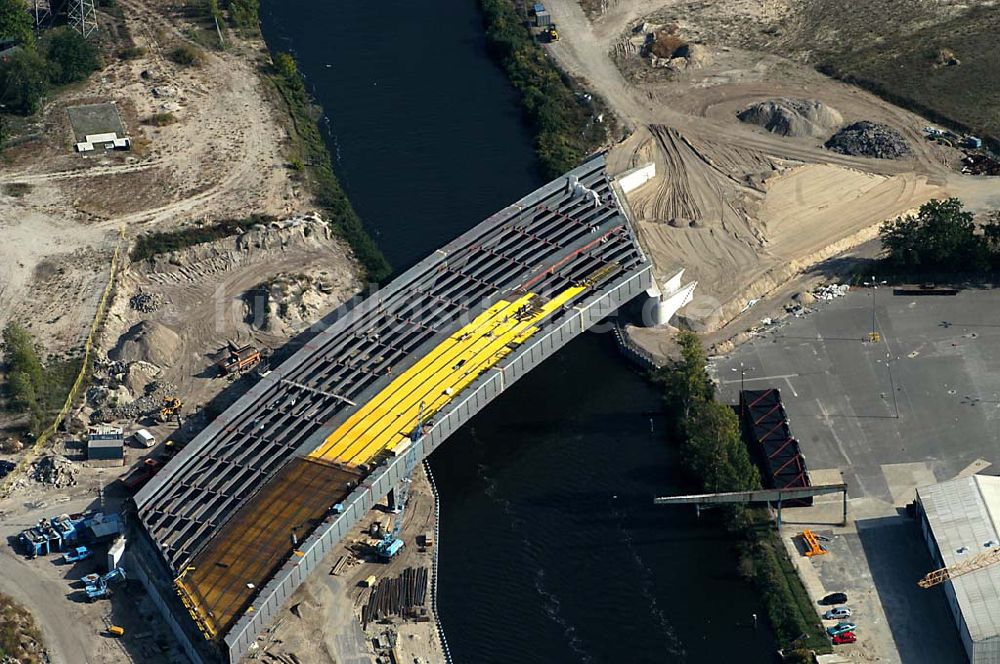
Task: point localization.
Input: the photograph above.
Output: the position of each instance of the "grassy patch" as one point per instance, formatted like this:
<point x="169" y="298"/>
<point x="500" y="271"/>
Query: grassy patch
<point x="152" y="244"/>
<point x="564" y="119"/>
<point x="17" y="189"/>
<point x="941" y="62"/>
<point x="310" y="156"/>
<point x="187" y="55"/>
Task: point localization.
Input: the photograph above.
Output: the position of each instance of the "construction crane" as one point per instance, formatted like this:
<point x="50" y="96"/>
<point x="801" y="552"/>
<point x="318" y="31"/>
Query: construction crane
<point x="976" y="562"/>
<point x="391" y="543"/>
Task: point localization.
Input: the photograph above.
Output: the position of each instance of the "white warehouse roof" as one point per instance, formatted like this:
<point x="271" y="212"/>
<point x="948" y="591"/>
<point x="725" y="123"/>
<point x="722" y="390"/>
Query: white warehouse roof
<point x="963" y="516"/>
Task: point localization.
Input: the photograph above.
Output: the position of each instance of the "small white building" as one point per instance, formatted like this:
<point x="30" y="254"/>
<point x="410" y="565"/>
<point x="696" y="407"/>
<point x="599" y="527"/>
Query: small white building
<point x="960" y="518"/>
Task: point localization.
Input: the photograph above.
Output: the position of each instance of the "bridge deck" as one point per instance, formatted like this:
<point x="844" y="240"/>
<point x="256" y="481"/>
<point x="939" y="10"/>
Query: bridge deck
<point x="411" y="342"/>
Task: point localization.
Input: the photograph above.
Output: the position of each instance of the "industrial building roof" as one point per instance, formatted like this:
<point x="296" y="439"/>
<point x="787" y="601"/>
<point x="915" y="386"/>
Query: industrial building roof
<point x="963" y="515"/>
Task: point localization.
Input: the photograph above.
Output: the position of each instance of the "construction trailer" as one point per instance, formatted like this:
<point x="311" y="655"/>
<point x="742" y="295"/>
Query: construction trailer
<point x="776" y="452"/>
<point x="105" y="443"/>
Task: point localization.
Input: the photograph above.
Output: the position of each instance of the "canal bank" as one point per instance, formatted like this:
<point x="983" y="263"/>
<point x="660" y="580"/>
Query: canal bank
<point x="551" y="549"/>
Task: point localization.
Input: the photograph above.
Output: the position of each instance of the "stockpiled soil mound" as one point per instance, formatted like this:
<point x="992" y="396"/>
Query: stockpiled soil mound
<point x="869" y="139"/>
<point x="793" y="117"/>
<point x="148" y="342"/>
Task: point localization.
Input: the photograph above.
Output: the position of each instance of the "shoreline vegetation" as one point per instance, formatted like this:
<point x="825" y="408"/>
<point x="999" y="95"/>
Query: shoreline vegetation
<point x="569" y="124"/>
<point x="308" y="157"/>
<point x="714" y="458"/>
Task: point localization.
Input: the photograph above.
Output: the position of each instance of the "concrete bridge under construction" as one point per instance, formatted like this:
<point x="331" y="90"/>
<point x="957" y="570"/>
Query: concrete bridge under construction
<point x="232" y="526"/>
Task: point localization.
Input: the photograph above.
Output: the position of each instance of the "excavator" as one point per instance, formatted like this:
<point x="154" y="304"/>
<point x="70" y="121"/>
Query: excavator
<point x="171" y="408"/>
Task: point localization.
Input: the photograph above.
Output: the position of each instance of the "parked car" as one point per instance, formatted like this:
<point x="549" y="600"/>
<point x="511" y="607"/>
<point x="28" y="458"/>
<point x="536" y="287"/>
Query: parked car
<point x="846" y="637"/>
<point x="834" y="598"/>
<point x="839" y="613"/>
<point x="841" y="628"/>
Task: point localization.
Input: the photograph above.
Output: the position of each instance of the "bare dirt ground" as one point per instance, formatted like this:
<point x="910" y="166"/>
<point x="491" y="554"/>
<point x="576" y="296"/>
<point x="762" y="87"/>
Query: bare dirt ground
<point x="223" y="158"/>
<point x="60" y="218"/>
<point x="764" y="207"/>
<point x="322" y="621"/>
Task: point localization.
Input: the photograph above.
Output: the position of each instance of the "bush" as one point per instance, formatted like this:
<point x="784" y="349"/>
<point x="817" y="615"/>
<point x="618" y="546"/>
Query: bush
<point x="16" y="22"/>
<point x="161" y="119"/>
<point x="245" y="14"/>
<point x="24" y="80"/>
<point x="152" y="244"/>
<point x="72" y="57"/>
<point x="186" y="55"/>
<point x="131" y="52"/>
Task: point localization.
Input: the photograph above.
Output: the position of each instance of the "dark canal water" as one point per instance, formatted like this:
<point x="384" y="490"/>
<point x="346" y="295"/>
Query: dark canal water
<point x="551" y="550"/>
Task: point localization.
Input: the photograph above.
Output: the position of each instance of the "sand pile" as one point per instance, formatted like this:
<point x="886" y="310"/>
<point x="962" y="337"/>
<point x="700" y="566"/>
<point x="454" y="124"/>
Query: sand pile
<point x="148" y="341"/>
<point x="869" y="139"/>
<point x="793" y="117"/>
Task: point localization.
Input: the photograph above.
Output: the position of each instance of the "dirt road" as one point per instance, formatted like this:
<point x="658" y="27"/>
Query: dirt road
<point x="741" y="209"/>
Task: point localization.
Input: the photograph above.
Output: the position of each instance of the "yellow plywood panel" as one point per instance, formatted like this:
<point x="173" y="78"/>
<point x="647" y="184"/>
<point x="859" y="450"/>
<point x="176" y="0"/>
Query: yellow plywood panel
<point x="386" y="420"/>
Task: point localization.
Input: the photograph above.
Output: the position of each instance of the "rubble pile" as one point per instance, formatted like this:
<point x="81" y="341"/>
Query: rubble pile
<point x="869" y="139"/>
<point x="148" y="404"/>
<point x="55" y="470"/>
<point x="145" y="302"/>
<point x="792" y="117"/>
<point x="831" y="291"/>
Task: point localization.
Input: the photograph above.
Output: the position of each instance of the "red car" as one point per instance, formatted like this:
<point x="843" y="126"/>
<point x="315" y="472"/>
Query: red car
<point x="846" y="637"/>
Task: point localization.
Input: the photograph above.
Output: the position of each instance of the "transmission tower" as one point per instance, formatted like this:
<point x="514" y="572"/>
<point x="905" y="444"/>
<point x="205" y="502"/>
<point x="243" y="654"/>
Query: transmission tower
<point x="83" y="17"/>
<point x="42" y="11"/>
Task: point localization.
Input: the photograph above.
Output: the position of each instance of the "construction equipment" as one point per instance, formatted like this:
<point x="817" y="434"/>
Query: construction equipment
<point x="142" y="474"/>
<point x="552" y="33"/>
<point x="976" y="562"/>
<point x="100" y="589"/>
<point x="240" y="359"/>
<point x="77" y="554"/>
<point x="171" y="408"/>
<point x="115" y="630"/>
<point x="813" y="547"/>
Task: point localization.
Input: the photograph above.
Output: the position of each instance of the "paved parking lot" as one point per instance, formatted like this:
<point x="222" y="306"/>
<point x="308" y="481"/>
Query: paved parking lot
<point x="920" y="406"/>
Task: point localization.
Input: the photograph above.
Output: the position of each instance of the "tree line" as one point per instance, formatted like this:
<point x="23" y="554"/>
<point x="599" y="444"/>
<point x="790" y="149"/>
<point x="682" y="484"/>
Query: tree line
<point x="715" y="459"/>
<point x="942" y="238"/>
<point x="59" y="57"/>
<point x="563" y="119"/>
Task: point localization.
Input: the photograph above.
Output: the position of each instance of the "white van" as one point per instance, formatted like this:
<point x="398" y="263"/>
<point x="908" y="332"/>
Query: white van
<point x="144" y="438"/>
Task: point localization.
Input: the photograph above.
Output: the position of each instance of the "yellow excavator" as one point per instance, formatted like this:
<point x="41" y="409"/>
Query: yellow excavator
<point x="170" y="409"/>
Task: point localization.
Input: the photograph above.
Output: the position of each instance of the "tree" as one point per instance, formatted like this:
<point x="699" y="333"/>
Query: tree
<point x="941" y="237"/>
<point x="73" y="58"/>
<point x="23" y="81"/>
<point x="285" y="64"/>
<point x="16" y="22"/>
<point x="714" y="451"/>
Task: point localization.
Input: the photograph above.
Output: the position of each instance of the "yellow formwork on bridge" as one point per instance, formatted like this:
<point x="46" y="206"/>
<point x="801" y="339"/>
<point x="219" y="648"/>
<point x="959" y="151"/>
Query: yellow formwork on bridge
<point x="389" y="418"/>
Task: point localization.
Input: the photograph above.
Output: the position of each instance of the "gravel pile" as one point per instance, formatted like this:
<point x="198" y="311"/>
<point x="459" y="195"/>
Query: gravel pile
<point x="55" y="470"/>
<point x="793" y="117"/>
<point x="869" y="139"/>
<point x="144" y="302"/>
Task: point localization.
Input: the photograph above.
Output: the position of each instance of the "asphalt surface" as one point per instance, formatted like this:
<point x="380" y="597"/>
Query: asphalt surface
<point x="928" y="392"/>
<point x="919" y="406"/>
